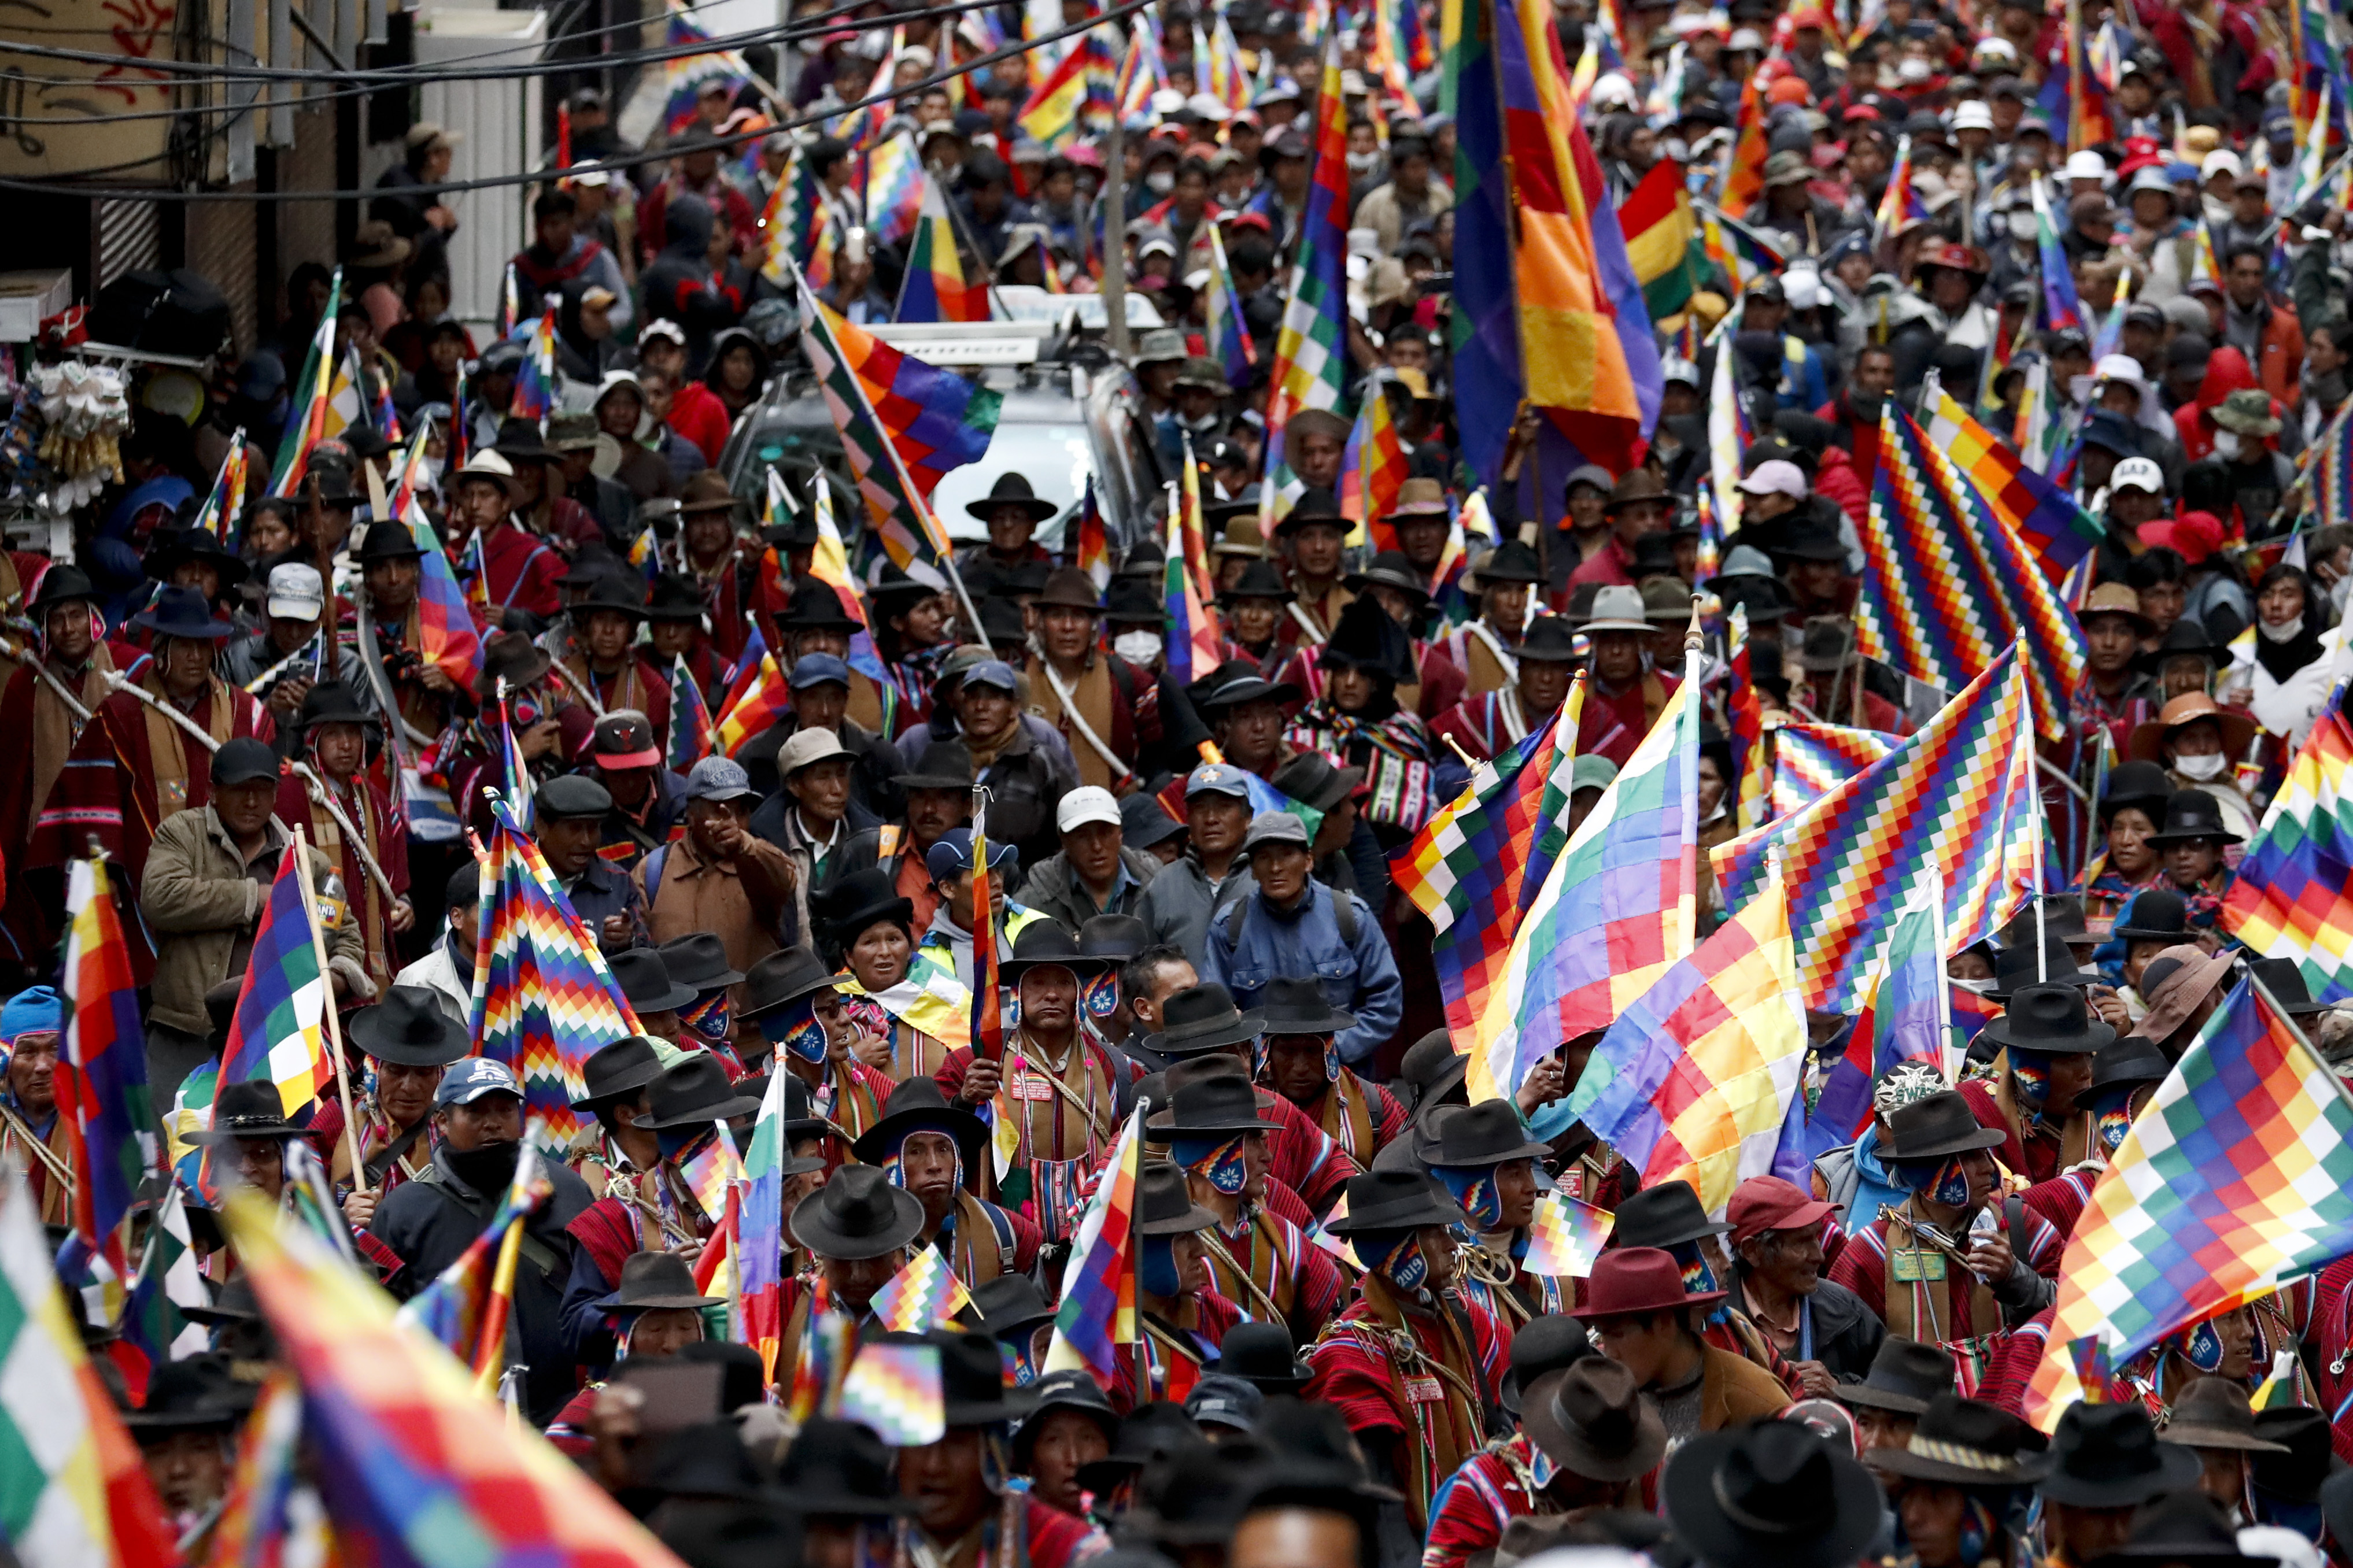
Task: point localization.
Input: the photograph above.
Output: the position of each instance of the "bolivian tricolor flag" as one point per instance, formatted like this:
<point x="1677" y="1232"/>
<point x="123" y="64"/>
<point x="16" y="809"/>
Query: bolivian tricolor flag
<point x="1656" y="216"/>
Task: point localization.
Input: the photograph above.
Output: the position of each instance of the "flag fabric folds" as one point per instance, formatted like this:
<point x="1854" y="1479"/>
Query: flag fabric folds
<point x="278" y="1030"/>
<point x="1956" y="800"/>
<point x="1612" y="913"/>
<point x="536" y="390"/>
<point x="934" y="288"/>
<point x="1098" y="1310"/>
<point x="2061" y="308"/>
<point x="1373" y="467"/>
<point x="664" y="96"/>
<point x="761" y="1230"/>
<point x="447" y="632"/>
<point x="455" y="1306"/>
<point x="1311" y="346"/>
<point x="307" y="422"/>
<point x="223" y="506"/>
<point x="2059" y="531"/>
<point x="101" y="1080"/>
<point x="1811" y="760"/>
<point x="1482" y="327"/>
<point x="1657" y="220"/>
<point x="2292" y="895"/>
<point x="690" y="719"/>
<point x="1905" y="1020"/>
<point x="543" y="999"/>
<point x="2236" y="1178"/>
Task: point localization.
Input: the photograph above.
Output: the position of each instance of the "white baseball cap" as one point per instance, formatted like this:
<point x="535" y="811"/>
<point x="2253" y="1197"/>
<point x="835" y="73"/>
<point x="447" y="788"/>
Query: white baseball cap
<point x="2221" y="161"/>
<point x="295" y="594"/>
<point x="1087" y="802"/>
<point x="1776" y="477"/>
<point x="2138" y="474"/>
<point x="1974" y="115"/>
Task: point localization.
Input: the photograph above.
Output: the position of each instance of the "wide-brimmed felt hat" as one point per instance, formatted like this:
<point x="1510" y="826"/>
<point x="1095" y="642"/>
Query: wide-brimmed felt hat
<point x="1069" y="1390"/>
<point x="1263" y="1354"/>
<point x="859" y="901"/>
<point x="1510" y="561"/>
<point x="513" y="657"/>
<point x="2130" y="1062"/>
<point x="233" y="1303"/>
<point x="2155" y="914"/>
<point x="816" y="607"/>
<point x="409" y="1028"/>
<point x="706" y="490"/>
<point x="1165" y="1206"/>
<point x="1234" y="682"/>
<point x="2017" y="967"/>
<point x="2187" y="1528"/>
<point x="490" y="468"/>
<point x="1770" y="1495"/>
<point x="972" y="1377"/>
<point x="2305" y="1459"/>
<point x="1202" y="1017"/>
<point x="1965" y="1443"/>
<point x="2146" y="742"/>
<point x="1070" y="589"/>
<point x="1011" y="490"/>
<point x="181" y="545"/>
<point x="1297" y="1007"/>
<point x="2283" y="978"/>
<point x="520" y="441"/>
<point x="1934" y="1127"/>
<point x="1665" y="1214"/>
<point x="858" y="1214"/>
<point x="2192" y="814"/>
<point x="2109" y="1456"/>
<point x="1638" y="1279"/>
<point x="1638" y="484"/>
<point x="1904" y="1376"/>
<point x="252" y="1109"/>
<point x="645" y="979"/>
<point x="657" y="1281"/>
<point x="699" y="959"/>
<point x="1592" y="1420"/>
<point x="692" y="1092"/>
<point x="389" y="542"/>
<point x="331" y="702"/>
<point x="837" y="1469"/>
<point x="2215" y="1413"/>
<point x="189" y="1395"/>
<point x="944" y="765"/>
<point x="1389" y="569"/>
<point x="919" y="1105"/>
<point x="181" y="613"/>
<point x="2185" y="638"/>
<point x="1043" y="945"/>
<point x="1009" y="1307"/>
<point x="1473" y="1136"/>
<point x="2052" y="1019"/>
<point x="1259" y="580"/>
<point x="1418" y="497"/>
<point x="1224" y="1104"/>
<point x="1432" y="1068"/>
<point x="782" y="977"/>
<point x="2174" y="981"/>
<point x="618" y="1070"/>
<point x="1395" y="1200"/>
<point x="1312" y="779"/>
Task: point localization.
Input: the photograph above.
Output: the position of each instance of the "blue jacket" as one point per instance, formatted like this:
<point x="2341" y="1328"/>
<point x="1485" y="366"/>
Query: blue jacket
<point x="604" y="889"/>
<point x="1360" y="977"/>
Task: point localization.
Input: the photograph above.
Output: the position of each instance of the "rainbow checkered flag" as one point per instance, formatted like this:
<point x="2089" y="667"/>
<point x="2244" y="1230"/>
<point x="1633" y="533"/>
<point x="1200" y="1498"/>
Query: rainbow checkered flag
<point x="543" y="999"/>
<point x="2235" y="1180"/>
<point x="925" y="1294"/>
<point x="278" y="1030"/>
<point x="101" y="1081"/>
<point x="1566" y="1237"/>
<point x="309" y="403"/>
<point x="225" y="502"/>
<point x="1311" y="346"/>
<point x="690" y="719"/>
<point x="896" y="1389"/>
<point x="1811" y="760"/>
<point x="1098" y="1310"/>
<point x="2292" y="895"/>
<point x="535" y="389"/>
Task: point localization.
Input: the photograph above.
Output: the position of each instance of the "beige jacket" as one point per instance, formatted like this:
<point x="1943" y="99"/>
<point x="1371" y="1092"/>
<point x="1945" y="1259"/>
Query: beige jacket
<point x="199" y="898"/>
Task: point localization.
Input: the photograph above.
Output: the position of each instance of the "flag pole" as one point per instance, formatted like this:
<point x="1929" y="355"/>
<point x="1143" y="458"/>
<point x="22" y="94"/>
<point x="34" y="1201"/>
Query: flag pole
<point x="333" y="1025"/>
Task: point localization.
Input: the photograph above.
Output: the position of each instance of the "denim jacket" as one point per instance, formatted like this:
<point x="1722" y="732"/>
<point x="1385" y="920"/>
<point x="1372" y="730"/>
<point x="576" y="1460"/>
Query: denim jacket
<point x="1360" y="977"/>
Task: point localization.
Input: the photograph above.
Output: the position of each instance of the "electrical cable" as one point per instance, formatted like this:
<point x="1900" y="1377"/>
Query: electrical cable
<point x="63" y="183"/>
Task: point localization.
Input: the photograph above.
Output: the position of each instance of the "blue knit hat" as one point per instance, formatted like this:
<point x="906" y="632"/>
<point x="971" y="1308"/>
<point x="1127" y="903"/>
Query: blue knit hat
<point x="28" y="1012"/>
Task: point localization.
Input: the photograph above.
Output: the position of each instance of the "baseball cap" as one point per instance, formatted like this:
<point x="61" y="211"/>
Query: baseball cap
<point x="2221" y="161"/>
<point x="624" y="739"/>
<point x="2138" y="474"/>
<point x="295" y="594"/>
<point x="1776" y="477"/>
<point x="1768" y="1203"/>
<point x="242" y="761"/>
<point x="1275" y="828"/>
<point x="815" y="670"/>
<point x="993" y="672"/>
<point x="1087" y="802"/>
<point x="807" y="749"/>
<point x="473" y="1077"/>
<point x="718" y="778"/>
<point x="1220" y="1398"/>
<point x="952" y="853"/>
<point x="1217" y="778"/>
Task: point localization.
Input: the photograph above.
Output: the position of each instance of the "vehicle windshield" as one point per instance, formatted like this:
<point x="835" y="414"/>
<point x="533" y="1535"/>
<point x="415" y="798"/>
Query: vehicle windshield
<point x="1053" y="457"/>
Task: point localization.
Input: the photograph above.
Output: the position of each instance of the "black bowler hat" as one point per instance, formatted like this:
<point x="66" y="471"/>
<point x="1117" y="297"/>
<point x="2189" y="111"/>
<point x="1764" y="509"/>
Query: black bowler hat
<point x="1202" y="1018"/>
<point x="2192" y="813"/>
<point x="408" y="1028"/>
<point x="646" y="981"/>
<point x="618" y="1070"/>
<point x="1226" y="1103"/>
<point x="1262" y="1355"/>
<point x="2054" y="1019"/>
<point x="2157" y="914"/>
<point x="858" y="1214"/>
<point x="699" y="959"/>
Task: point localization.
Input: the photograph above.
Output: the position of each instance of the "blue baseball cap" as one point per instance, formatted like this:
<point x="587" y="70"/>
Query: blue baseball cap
<point x="1217" y="778"/>
<point x="468" y="1080"/>
<point x="952" y="853"/>
<point x="814" y="669"/>
<point x="994" y="672"/>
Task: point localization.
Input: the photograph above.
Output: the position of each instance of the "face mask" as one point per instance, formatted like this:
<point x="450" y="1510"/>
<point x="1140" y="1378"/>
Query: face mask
<point x="1364" y="162"/>
<point x="2022" y="226"/>
<point x="1205" y="424"/>
<point x="2032" y="1077"/>
<point x="2203" y="769"/>
<point x="2202" y="1347"/>
<point x="1100" y="998"/>
<point x="710" y="1018"/>
<point x="1913" y="68"/>
<point x="1155" y="1266"/>
<point x="1948" y="1183"/>
<point x="2115" y="1120"/>
<point x="2226" y="443"/>
<point x="1218" y="1159"/>
<point x="1160" y="181"/>
<point x="1138" y="648"/>
<point x="489" y="1169"/>
<point x="796" y="1030"/>
<point x="1474" y="1187"/>
<point x="1676" y="149"/>
<point x="1402" y="1265"/>
<point x="2286" y="631"/>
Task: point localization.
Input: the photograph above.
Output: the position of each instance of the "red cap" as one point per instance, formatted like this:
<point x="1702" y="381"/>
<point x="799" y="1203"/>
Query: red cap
<point x="2195" y="534"/>
<point x="1638" y="1279"/>
<point x="1768" y="1203"/>
<point x="1789" y="89"/>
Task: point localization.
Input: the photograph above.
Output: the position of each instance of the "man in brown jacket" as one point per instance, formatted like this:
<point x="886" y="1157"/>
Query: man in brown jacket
<point x="208" y="877"/>
<point x="1640" y="1316"/>
<point x="722" y="878"/>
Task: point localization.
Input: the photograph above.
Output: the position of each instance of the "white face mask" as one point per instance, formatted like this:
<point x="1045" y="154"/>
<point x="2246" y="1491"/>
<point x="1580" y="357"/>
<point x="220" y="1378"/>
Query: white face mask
<point x="1364" y="162"/>
<point x="1138" y="648"/>
<point x="1675" y="148"/>
<point x="2284" y="632"/>
<point x="1160" y="181"/>
<point x="2203" y="769"/>
<point x="1913" y="68"/>
<point x="2226" y="443"/>
<point x="2022" y="226"/>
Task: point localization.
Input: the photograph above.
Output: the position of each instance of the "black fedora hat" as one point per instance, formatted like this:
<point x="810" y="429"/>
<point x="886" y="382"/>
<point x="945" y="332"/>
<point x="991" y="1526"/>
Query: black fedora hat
<point x="1940" y="1125"/>
<point x="1148" y="1432"/>
<point x="657" y="1281"/>
<point x="645" y="980"/>
<point x="1473" y="1136"/>
<point x="2144" y="784"/>
<point x="972" y="1377"/>
<point x="1770" y="1495"/>
<point x="2186" y="638"/>
<point x="1293" y="1006"/>
<point x="1011" y="490"/>
<point x="1070" y="1390"/>
<point x="1114" y="938"/>
<point x="191" y="1394"/>
<point x="1011" y="1309"/>
<point x="233" y="1303"/>
<point x="2192" y="814"/>
<point x="858" y="1214"/>
<point x="2017" y="965"/>
<point x="1394" y="1199"/>
<point x="389" y="542"/>
<point x="694" y="1091"/>
<point x="618" y="1070"/>
<point x="181" y="613"/>
<point x="860" y="900"/>
<point x="1202" y="1018"/>
<point x="520" y="441"/>
<point x="1965" y="1443"/>
<point x="1390" y="569"/>
<point x="816" y="607"/>
<point x="2109" y="1456"/>
<point x="944" y="765"/>
<point x="1905" y="1376"/>
<point x="2155" y="914"/>
<point x="838" y="1469"/>
<point x="1549" y="1344"/>
<point x="674" y="598"/>
<point x="1431" y="1069"/>
<point x="781" y="977"/>
<point x="919" y="1105"/>
<point x="1235" y="682"/>
<point x="1549" y="640"/>
<point x="1164" y="1205"/>
<point x="1258" y="580"/>
<point x="2133" y="1060"/>
<point x="1045" y="943"/>
<point x="2283" y="978"/>
<point x="699" y="959"/>
<point x="1226" y="1103"/>
<point x="180" y="546"/>
<point x="1312" y="779"/>
<point x="408" y="1028"/>
<point x="1510" y="561"/>
<point x="2306" y="1459"/>
<point x="331" y="702"/>
<point x="2052" y="1019"/>
<point x="1263" y="1354"/>
<point x="61" y="583"/>
<point x="251" y="1109"/>
<point x="1667" y="1214"/>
